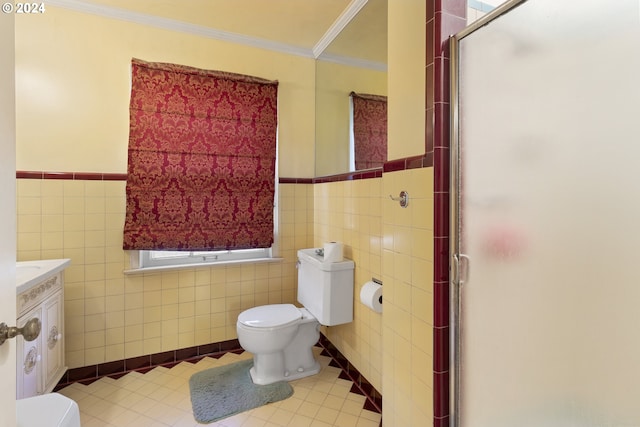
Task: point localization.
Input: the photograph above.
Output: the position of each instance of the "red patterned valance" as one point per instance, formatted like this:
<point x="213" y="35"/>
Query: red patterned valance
<point x="201" y="160"/>
<point x="369" y="130"/>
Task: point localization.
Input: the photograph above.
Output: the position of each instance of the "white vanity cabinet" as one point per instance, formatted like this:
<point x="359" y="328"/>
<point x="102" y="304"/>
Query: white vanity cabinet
<point x="40" y="293"/>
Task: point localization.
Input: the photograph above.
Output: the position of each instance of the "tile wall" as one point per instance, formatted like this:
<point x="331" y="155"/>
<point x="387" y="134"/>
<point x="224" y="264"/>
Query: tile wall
<point x="393" y="350"/>
<point x="407" y="265"/>
<point x="110" y="315"/>
<point x="351" y="212"/>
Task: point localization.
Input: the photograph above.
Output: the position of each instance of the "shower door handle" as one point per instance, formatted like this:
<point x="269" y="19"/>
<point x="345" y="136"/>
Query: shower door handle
<point x="460" y="268"/>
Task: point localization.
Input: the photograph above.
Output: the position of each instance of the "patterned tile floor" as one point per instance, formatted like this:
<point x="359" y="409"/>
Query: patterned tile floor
<point x="161" y="398"/>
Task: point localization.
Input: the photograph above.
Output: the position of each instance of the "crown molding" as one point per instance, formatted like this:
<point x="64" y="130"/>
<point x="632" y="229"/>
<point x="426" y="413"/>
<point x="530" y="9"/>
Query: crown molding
<point x="345" y="17"/>
<point x="179" y="26"/>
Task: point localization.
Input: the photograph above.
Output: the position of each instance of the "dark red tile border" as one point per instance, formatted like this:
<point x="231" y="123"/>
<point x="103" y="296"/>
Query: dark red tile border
<point x="349" y="176"/>
<point x="413" y="162"/>
<point x="282" y="180"/>
<point x="421" y="161"/>
<point x="29" y="175"/>
<point x="142" y="364"/>
<point x="360" y="384"/>
<point x="86" y="176"/>
<point x="110" y="368"/>
<point x="444" y="18"/>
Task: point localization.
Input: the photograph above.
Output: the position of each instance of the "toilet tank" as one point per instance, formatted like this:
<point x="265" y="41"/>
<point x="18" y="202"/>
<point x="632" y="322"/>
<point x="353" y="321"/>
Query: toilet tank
<point x="325" y="288"/>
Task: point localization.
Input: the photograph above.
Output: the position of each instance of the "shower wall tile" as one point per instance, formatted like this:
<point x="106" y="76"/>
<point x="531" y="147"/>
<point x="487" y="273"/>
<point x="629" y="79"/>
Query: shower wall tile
<point x="407" y="262"/>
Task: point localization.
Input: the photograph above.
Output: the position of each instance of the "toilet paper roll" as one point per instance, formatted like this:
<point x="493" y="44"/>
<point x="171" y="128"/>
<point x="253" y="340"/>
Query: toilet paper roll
<point x="333" y="252"/>
<point x="371" y="296"/>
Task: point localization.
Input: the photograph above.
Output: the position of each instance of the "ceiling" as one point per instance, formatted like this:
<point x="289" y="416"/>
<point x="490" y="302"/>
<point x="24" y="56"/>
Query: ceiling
<point x="304" y="25"/>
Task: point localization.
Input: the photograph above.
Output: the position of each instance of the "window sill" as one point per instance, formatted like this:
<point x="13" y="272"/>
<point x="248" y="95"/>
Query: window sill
<point x="163" y="268"/>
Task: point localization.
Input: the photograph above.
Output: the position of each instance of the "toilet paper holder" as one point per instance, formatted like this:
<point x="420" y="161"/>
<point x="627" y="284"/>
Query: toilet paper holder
<point x="403" y="198"/>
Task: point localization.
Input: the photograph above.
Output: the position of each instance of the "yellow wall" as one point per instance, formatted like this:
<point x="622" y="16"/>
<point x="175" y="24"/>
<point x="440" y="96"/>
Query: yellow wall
<point x="334" y="83"/>
<point x="73" y="83"/>
<point x="406" y="53"/>
<point x="407" y="254"/>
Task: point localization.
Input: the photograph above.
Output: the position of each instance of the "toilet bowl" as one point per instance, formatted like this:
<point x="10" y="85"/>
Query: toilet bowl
<point x="280" y="337"/>
<point x="47" y="410"/>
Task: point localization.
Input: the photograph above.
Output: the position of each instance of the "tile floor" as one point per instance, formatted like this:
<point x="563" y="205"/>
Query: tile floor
<point x="160" y="398"/>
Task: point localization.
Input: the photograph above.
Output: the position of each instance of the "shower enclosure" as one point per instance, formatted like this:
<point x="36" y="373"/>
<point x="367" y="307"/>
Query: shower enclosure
<point x="545" y="225"/>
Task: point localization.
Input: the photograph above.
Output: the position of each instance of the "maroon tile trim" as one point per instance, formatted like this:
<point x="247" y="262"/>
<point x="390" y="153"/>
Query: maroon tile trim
<point x="360" y="384"/>
<point x="110" y="368"/>
<point x="29" y="175"/>
<point x="441" y="311"/>
<point x="114" y="176"/>
<point x="444" y="18"/>
<point x="391" y="166"/>
<point x="441" y="212"/>
<point x="86" y="176"/>
<point x="142" y="364"/>
<point x="57" y="175"/>
<point x="441" y="358"/>
<point x="414" y="162"/>
<point x="441" y="399"/>
<point x="350" y="176"/>
<point x="283" y="180"/>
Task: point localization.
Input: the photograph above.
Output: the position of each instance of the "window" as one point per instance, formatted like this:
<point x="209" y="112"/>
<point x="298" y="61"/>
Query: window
<point x="179" y="258"/>
<point x="201" y="175"/>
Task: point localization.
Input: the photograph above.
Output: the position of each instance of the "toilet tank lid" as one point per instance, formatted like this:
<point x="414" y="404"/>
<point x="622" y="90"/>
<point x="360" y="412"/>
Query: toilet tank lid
<point x="269" y="316"/>
<point x="312" y="257"/>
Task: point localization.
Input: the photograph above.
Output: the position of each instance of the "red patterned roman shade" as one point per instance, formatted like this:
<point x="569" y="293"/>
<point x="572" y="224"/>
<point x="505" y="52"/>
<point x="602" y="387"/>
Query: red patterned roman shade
<point x="201" y="160"/>
<point x="369" y="130"/>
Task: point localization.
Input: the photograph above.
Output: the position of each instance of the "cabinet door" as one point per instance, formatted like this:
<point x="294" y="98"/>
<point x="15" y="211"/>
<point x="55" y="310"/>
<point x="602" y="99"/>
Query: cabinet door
<point x="53" y="340"/>
<point x="28" y="360"/>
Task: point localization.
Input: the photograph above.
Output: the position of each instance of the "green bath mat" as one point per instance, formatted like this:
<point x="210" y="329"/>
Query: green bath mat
<point x="228" y="390"/>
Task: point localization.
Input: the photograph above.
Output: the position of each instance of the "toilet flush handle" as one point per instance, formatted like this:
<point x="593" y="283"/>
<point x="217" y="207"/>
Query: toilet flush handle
<point x="29" y="331"/>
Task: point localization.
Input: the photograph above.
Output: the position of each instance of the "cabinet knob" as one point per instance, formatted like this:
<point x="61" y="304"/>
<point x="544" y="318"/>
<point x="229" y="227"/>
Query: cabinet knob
<point x="29" y="331"/>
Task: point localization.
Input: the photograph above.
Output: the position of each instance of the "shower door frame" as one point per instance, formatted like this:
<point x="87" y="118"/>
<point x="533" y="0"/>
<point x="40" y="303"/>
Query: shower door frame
<point x="459" y="262"/>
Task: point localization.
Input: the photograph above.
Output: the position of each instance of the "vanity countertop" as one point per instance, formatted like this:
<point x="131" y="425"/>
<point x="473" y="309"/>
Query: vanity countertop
<point x="30" y="273"/>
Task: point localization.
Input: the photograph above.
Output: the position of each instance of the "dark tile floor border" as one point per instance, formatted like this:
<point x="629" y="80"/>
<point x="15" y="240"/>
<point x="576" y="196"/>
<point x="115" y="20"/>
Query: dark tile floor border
<point x="349" y="372"/>
<point x="116" y="369"/>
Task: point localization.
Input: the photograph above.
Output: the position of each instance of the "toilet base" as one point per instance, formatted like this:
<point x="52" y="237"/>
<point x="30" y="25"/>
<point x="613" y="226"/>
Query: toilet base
<point x="287" y="376"/>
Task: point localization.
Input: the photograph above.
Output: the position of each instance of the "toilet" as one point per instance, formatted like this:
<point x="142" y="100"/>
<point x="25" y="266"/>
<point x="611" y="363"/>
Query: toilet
<point x="47" y="410"/>
<point x="281" y="336"/>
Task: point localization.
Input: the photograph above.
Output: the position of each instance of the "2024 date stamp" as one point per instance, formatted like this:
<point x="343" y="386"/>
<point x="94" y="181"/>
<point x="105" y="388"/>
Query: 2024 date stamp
<point x="32" y="8"/>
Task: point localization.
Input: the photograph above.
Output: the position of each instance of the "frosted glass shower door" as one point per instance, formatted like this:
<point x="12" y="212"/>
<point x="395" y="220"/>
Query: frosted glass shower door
<point x="546" y="216"/>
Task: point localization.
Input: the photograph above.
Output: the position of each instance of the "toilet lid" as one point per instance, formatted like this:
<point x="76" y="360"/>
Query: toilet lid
<point x="269" y="316"/>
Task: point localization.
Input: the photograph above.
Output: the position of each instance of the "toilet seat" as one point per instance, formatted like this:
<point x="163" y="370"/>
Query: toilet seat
<point x="270" y="316"/>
